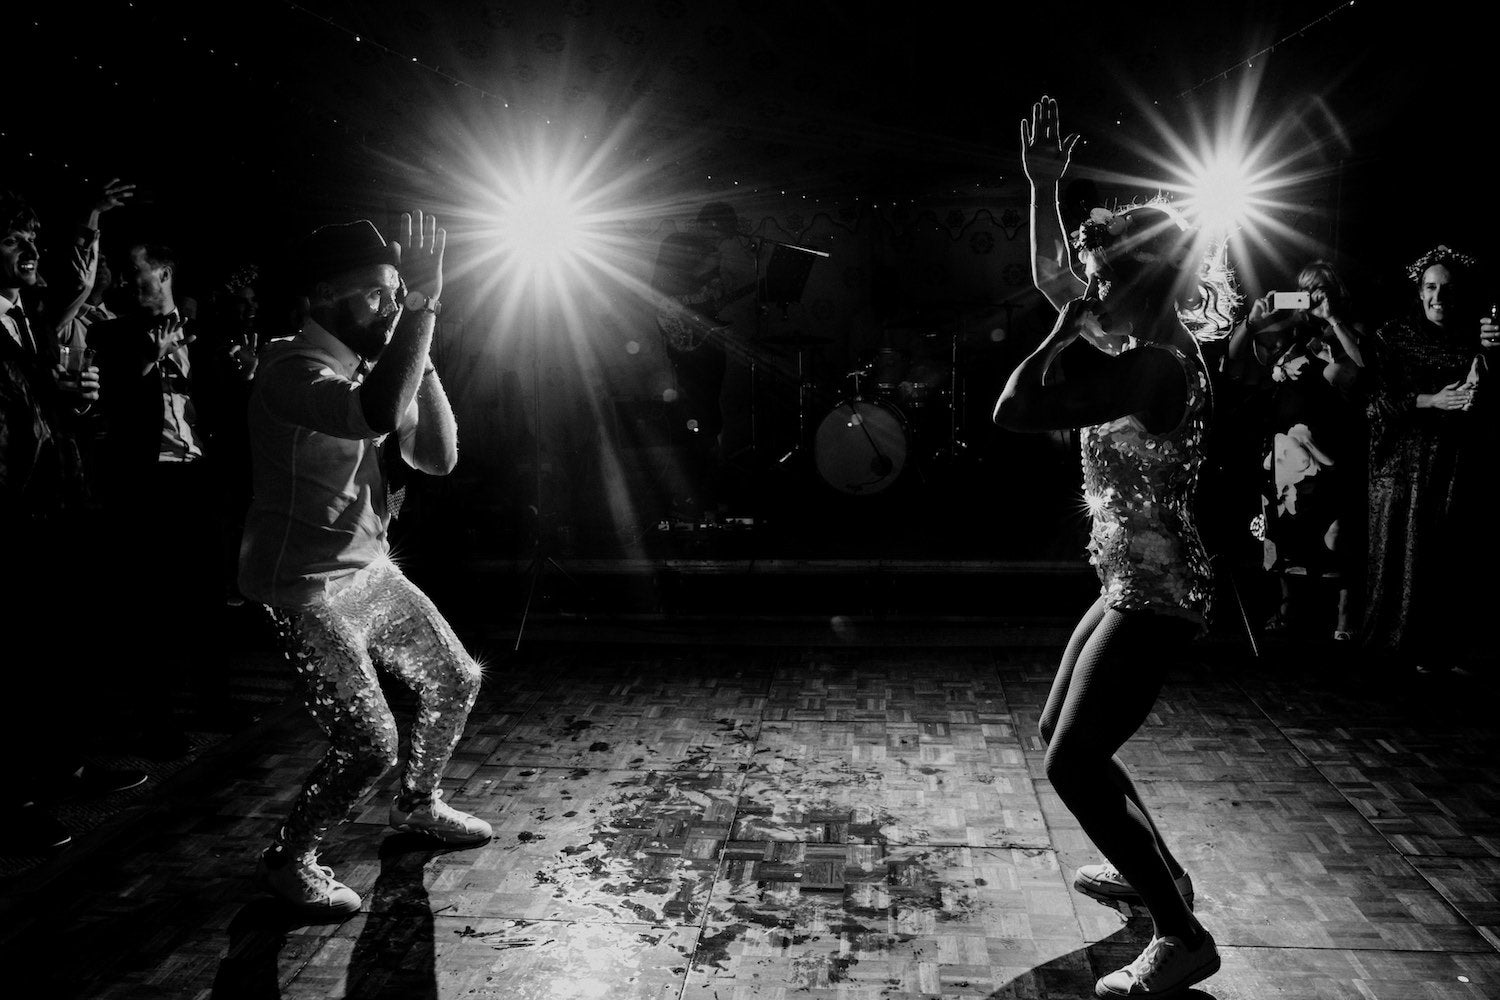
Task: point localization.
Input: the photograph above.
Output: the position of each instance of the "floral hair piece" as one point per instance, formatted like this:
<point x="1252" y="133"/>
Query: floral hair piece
<point x="1440" y="254"/>
<point x="243" y="277"/>
<point x="1099" y="230"/>
<point x="1107" y="229"/>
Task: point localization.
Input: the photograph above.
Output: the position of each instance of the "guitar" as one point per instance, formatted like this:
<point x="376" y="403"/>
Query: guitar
<point x="687" y="329"/>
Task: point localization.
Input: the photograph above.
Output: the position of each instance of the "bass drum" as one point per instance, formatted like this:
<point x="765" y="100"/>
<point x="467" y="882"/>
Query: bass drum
<point x="861" y="446"/>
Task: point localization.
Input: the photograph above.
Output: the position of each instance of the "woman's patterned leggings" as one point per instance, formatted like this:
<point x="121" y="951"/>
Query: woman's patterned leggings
<point x="378" y="618"/>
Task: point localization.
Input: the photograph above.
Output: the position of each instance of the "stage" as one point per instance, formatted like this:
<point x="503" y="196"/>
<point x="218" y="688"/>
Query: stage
<point x="696" y="807"/>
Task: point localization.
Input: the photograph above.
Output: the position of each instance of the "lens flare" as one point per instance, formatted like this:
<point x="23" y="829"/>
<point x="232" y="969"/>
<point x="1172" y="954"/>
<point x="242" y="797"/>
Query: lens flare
<point x="1240" y="175"/>
<point x="1223" y="191"/>
<point x="542" y="225"/>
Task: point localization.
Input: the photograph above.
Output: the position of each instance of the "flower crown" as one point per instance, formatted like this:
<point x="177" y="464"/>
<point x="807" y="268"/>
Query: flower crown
<point x="1439" y="254"/>
<point x="1099" y="230"/>
<point x="1104" y="229"/>
<point x="243" y="277"/>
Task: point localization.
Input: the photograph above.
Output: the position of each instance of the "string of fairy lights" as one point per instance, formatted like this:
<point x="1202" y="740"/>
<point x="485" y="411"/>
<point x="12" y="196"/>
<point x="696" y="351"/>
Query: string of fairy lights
<point x="246" y="74"/>
<point x="1249" y="61"/>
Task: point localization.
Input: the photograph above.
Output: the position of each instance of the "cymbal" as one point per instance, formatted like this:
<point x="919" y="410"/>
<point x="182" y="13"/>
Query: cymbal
<point x="795" y="340"/>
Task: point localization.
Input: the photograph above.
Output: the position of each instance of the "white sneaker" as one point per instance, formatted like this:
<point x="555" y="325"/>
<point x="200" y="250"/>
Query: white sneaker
<point x="307" y="885"/>
<point x="441" y="821"/>
<point x="1166" y="968"/>
<point x="1106" y="884"/>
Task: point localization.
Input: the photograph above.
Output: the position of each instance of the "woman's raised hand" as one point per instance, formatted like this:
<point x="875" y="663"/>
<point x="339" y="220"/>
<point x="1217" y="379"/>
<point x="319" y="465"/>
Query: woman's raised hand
<point x="1044" y="149"/>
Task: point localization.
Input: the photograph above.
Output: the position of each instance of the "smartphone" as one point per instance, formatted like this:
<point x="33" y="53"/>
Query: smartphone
<point x="1291" y="300"/>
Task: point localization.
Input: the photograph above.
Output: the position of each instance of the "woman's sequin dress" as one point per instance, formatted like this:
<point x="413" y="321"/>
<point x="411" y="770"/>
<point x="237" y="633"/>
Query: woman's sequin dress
<point x="1140" y="489"/>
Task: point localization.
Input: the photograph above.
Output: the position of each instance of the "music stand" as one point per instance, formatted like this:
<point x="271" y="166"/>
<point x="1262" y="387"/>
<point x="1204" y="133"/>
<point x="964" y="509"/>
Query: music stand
<point x="787" y="272"/>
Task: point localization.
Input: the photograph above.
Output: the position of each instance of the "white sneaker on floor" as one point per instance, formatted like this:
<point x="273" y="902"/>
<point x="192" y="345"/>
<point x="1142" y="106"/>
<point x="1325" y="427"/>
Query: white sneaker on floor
<point x="440" y="821"/>
<point x="308" y="886"/>
<point x="1165" y="969"/>
<point x="1106" y="884"/>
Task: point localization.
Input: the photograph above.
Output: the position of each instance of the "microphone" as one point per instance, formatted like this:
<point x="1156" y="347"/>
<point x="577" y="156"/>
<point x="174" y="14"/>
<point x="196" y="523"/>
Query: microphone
<point x="1099" y="312"/>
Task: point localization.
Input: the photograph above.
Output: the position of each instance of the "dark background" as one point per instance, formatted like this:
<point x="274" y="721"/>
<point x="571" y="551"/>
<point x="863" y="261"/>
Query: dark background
<point x="246" y="124"/>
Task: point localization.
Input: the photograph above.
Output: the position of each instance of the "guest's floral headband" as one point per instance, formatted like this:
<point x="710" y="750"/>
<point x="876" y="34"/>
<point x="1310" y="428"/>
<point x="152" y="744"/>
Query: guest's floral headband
<point x="1439" y="254"/>
<point x="243" y="276"/>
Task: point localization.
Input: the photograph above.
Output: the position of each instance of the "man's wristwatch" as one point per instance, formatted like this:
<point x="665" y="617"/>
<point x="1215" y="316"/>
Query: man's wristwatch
<point x="419" y="302"/>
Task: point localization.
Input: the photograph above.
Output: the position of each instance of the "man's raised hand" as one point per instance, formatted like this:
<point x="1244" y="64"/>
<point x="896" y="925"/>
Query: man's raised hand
<point x="419" y="254"/>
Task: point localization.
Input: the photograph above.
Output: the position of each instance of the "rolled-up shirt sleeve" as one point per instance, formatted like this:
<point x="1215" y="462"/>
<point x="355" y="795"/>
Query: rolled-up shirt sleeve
<point x="309" y="393"/>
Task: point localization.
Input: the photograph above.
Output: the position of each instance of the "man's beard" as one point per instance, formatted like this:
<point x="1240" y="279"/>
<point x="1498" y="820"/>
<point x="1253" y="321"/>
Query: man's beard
<point x="366" y="341"/>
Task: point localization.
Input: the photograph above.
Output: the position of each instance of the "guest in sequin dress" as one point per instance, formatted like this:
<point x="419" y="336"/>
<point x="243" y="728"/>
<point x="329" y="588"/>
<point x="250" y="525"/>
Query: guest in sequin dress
<point x="1432" y="447"/>
<point x="1123" y="368"/>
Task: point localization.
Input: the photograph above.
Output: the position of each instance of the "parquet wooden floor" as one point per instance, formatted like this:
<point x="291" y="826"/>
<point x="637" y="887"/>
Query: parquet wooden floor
<point x="708" y="821"/>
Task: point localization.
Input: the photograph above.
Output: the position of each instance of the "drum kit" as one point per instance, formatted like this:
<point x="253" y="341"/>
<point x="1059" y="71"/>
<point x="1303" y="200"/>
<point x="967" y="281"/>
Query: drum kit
<point x="899" y="409"/>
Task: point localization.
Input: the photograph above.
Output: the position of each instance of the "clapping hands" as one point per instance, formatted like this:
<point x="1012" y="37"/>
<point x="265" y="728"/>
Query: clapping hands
<point x="1453" y="397"/>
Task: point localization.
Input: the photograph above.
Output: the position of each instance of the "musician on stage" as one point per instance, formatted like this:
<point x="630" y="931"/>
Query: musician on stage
<point x="689" y="274"/>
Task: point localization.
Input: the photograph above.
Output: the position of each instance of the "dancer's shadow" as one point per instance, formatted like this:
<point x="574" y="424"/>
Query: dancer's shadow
<point x="393" y="957"/>
<point x="250" y="970"/>
<point x="1074" y="974"/>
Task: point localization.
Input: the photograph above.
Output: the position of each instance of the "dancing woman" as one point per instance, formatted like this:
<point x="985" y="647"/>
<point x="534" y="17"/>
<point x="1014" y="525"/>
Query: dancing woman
<point x="1141" y="403"/>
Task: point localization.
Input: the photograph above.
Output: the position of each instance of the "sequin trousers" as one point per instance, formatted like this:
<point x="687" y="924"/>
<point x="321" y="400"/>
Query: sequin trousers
<point x="379" y="618"/>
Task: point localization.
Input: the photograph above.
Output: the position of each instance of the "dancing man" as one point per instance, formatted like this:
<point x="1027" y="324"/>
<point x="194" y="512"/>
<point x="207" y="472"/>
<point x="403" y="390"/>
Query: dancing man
<point x="316" y="552"/>
<point x="1141" y="402"/>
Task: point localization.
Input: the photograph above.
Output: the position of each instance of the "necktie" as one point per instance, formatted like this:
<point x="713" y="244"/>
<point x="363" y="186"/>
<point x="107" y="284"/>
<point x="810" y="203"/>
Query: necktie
<point x="23" y="327"/>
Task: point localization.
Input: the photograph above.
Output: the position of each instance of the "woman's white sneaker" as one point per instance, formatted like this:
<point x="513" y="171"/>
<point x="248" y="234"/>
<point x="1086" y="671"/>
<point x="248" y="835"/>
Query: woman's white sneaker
<point x="440" y="821"/>
<point x="307" y="885"/>
<point x="1166" y="968"/>
<point x="1106" y="884"/>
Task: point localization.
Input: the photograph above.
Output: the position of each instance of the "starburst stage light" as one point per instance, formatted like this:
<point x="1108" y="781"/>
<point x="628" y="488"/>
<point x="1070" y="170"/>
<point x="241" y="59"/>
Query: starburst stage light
<point x="1239" y="173"/>
<point x="543" y="231"/>
<point x="1223" y="191"/>
<point x="547" y="222"/>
